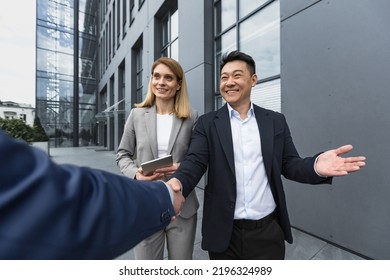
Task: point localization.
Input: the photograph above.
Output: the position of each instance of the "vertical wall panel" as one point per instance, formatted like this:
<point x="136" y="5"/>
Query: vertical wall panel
<point x="335" y="58"/>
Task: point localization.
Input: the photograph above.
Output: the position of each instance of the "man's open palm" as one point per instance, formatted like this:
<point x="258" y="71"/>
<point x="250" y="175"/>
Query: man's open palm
<point x="330" y="163"/>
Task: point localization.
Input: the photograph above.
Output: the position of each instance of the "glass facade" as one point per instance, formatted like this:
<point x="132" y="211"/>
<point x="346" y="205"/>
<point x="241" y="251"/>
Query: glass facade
<point x="138" y="73"/>
<point x="81" y="43"/>
<point x="170" y="35"/>
<point x="66" y="87"/>
<point x="253" y="27"/>
<point x="87" y="70"/>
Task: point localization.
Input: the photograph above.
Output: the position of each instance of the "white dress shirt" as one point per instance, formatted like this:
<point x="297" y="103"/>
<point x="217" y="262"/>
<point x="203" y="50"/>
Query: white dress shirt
<point x="164" y="127"/>
<point x="254" y="196"/>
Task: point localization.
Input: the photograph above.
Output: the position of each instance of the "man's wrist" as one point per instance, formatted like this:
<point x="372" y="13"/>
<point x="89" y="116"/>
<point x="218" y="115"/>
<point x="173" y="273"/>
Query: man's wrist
<point x="315" y="169"/>
<point x="170" y="191"/>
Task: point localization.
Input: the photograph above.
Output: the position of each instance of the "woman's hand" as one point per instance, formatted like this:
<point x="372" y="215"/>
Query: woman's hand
<point x="139" y="175"/>
<point x="168" y="171"/>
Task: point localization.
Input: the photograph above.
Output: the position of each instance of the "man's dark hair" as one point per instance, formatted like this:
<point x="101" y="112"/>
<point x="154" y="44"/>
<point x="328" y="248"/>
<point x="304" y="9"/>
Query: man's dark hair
<point x="236" y="55"/>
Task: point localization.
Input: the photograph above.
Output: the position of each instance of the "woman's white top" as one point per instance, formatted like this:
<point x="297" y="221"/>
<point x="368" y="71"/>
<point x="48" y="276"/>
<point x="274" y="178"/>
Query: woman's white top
<point x="164" y="127"/>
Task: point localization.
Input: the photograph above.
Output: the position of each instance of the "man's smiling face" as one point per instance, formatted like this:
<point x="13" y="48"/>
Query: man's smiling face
<point x="236" y="83"/>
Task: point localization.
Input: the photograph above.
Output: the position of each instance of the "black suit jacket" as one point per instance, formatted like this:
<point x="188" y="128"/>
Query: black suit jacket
<point x="212" y="147"/>
<point x="50" y="211"/>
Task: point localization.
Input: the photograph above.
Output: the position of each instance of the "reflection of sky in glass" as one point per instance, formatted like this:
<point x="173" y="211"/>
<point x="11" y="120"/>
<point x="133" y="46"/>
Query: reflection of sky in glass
<point x="175" y="50"/>
<point x="54" y="90"/>
<point x="81" y="21"/>
<point x="82" y="5"/>
<point x="87" y="23"/>
<point x="55" y="13"/>
<point x="260" y="38"/>
<point x="247" y="6"/>
<point x="54" y="62"/>
<point x="228" y="13"/>
<point x="86" y="18"/>
<point x="54" y="40"/>
<point x="55" y="50"/>
<point x="229" y="41"/>
<point x="175" y="25"/>
<point x="68" y="3"/>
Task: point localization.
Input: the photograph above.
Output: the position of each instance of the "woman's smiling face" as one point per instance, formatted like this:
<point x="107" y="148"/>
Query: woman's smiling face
<point x="164" y="82"/>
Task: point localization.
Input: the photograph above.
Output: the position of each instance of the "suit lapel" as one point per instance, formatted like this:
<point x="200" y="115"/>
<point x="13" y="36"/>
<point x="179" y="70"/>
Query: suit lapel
<point x="266" y="129"/>
<point x="151" y="129"/>
<point x="176" y="125"/>
<point x="224" y="131"/>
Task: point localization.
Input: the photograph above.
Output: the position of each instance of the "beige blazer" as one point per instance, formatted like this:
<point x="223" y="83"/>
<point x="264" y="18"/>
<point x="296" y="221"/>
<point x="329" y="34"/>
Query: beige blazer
<point x="139" y="144"/>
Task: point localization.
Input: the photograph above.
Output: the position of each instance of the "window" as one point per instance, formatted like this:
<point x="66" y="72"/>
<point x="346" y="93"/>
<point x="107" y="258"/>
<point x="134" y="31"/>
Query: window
<point x="170" y="35"/>
<point x="262" y="40"/>
<point x="137" y="72"/>
<point x="124" y="12"/>
<point x="253" y="27"/>
<point x="114" y="35"/>
<point x="140" y="3"/>
<point x="118" y="21"/>
<point x="106" y="35"/>
<point x="9" y="115"/>
<point x="121" y="99"/>
<point x="248" y="6"/>
<point x="227" y="11"/>
<point x="132" y="11"/>
<point x="109" y="37"/>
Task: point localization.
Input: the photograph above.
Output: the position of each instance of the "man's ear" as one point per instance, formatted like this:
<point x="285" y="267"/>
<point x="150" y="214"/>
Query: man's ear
<point x="254" y="80"/>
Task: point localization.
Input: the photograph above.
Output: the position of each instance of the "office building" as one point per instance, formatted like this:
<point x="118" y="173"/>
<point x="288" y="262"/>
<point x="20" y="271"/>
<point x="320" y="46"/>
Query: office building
<point x="13" y="110"/>
<point x="318" y="62"/>
<point x="135" y="33"/>
<point x="66" y="61"/>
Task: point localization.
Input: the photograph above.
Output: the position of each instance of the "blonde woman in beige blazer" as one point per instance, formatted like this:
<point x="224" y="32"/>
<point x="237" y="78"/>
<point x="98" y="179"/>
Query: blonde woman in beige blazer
<point x="158" y="126"/>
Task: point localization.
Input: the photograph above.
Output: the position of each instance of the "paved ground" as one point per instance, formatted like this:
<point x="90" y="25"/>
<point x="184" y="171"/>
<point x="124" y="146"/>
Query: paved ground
<point x="305" y="246"/>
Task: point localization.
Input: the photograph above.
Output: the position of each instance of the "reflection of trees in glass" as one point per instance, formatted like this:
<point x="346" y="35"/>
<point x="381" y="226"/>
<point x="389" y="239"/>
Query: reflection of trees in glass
<point x="85" y="136"/>
<point x="39" y="132"/>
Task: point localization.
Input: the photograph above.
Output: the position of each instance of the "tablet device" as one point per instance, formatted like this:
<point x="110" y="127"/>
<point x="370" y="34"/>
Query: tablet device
<point x="148" y="167"/>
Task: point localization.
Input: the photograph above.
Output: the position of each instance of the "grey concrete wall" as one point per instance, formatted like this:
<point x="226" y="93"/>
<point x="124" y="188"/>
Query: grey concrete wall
<point x="335" y="58"/>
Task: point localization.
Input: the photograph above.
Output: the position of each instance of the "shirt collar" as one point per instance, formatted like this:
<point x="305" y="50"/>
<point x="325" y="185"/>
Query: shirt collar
<point x="233" y="112"/>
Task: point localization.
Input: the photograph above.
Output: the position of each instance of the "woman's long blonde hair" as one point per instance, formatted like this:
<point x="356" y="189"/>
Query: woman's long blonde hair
<point x="182" y="107"/>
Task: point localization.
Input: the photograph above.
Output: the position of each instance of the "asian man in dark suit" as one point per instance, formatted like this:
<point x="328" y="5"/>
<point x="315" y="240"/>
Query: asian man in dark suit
<point x="51" y="211"/>
<point x="246" y="149"/>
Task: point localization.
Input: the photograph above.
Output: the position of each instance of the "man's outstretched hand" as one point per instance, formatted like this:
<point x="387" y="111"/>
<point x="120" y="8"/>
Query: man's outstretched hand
<point x="178" y="202"/>
<point x="179" y="199"/>
<point x="330" y="163"/>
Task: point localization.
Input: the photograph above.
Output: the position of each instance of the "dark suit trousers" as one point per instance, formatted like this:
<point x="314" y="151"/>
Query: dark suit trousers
<point x="254" y="240"/>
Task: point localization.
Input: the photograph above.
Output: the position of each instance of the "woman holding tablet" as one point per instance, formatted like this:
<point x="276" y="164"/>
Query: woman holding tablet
<point x="161" y="125"/>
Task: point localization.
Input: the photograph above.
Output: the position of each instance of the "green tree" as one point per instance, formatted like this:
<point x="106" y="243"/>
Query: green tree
<point x="39" y="132"/>
<point x="18" y="129"/>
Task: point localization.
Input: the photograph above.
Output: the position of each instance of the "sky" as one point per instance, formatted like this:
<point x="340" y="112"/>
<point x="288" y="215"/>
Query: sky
<point x="17" y="51"/>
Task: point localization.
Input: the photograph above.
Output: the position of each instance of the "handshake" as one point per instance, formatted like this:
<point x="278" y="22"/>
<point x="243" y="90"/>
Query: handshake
<point x="178" y="198"/>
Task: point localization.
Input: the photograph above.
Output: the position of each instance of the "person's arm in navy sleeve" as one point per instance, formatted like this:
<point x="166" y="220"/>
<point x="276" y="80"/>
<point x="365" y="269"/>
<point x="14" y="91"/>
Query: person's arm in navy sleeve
<point x="51" y="211"/>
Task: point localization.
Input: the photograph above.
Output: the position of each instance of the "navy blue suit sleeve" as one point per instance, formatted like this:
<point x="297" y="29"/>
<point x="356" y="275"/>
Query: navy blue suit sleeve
<point x="51" y="211"/>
